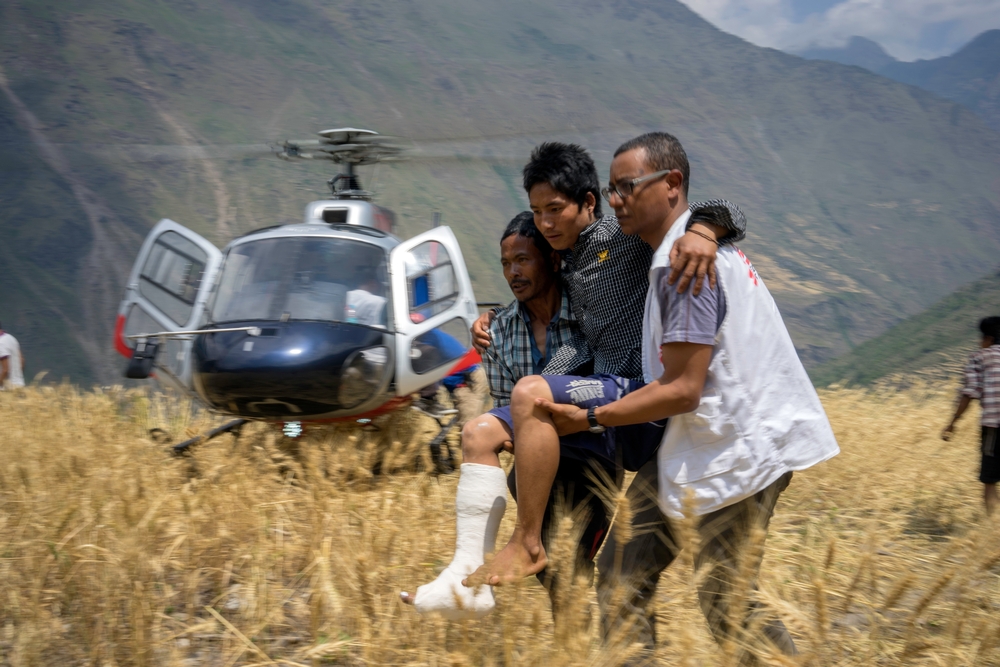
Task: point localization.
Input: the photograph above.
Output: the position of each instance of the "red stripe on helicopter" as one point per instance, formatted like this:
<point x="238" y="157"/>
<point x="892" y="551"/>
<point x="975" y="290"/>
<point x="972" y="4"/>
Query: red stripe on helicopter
<point x="120" y="346"/>
<point x="470" y="359"/>
<point x="394" y="404"/>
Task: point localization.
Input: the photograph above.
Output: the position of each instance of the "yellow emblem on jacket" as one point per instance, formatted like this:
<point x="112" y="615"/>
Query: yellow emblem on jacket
<point x="602" y="255"/>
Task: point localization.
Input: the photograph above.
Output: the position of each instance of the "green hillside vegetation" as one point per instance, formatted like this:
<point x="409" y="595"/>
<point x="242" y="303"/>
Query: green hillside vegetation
<point x="849" y="180"/>
<point x="932" y="345"/>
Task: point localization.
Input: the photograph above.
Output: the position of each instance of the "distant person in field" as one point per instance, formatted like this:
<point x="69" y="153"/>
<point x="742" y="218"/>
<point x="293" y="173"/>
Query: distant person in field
<point x="11" y="361"/>
<point x="981" y="381"/>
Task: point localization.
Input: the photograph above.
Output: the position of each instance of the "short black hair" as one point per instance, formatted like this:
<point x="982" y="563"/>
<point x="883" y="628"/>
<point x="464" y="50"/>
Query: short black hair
<point x="990" y="326"/>
<point x="567" y="168"/>
<point x="523" y="224"/>
<point x="663" y="151"/>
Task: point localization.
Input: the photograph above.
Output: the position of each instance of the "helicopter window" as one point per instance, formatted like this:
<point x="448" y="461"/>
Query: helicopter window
<point x="430" y="280"/>
<point x="304" y="278"/>
<point x="445" y="344"/>
<point x="335" y="215"/>
<point x="172" y="274"/>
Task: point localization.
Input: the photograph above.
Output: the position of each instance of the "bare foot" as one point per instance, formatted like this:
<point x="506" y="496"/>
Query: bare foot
<point x="515" y="561"/>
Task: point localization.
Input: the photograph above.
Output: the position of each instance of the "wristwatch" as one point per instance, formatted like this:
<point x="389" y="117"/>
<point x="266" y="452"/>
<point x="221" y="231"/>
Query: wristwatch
<point x="592" y="420"/>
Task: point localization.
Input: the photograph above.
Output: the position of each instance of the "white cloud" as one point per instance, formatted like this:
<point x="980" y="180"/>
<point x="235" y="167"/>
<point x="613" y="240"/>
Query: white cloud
<point x="907" y="29"/>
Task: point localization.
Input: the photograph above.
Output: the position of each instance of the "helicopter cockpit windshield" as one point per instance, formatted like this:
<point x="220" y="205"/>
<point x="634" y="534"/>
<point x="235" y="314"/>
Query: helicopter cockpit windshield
<point x="304" y="278"/>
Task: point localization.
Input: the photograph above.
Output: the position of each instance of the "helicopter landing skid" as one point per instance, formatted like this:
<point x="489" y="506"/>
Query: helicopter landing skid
<point x="234" y="425"/>
<point x="444" y="460"/>
<point x="441" y="455"/>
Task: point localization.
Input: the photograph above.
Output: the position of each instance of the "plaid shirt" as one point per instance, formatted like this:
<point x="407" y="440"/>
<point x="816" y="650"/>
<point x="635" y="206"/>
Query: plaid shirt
<point x="982" y="382"/>
<point x="508" y="358"/>
<point x="607" y="274"/>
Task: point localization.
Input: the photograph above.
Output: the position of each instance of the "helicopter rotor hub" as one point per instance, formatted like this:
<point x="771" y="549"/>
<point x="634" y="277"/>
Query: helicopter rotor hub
<point x="348" y="146"/>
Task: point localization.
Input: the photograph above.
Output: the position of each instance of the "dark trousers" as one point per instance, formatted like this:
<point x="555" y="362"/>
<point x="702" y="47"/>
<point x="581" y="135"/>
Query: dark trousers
<point x="574" y="490"/>
<point x="627" y="576"/>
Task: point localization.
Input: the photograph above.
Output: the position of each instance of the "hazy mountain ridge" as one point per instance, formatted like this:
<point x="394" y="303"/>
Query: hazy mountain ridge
<point x="970" y="76"/>
<point x="849" y="181"/>
<point x="859" y="51"/>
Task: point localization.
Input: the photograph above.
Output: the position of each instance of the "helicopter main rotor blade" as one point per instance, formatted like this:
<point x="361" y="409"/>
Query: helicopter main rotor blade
<point x="512" y="147"/>
<point x="171" y="153"/>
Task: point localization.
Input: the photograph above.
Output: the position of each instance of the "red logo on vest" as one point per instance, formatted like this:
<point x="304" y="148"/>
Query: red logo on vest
<point x="751" y="272"/>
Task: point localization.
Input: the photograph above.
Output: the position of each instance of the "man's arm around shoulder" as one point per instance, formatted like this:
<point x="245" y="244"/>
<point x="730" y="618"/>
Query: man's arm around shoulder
<point x="692" y="258"/>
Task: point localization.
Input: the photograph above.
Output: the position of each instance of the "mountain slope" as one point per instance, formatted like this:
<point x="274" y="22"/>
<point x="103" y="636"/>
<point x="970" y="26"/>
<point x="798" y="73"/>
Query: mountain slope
<point x="867" y="199"/>
<point x="970" y="76"/>
<point x="931" y="344"/>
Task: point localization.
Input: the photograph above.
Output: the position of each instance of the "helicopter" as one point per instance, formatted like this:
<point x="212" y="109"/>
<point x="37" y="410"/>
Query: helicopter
<point x="331" y="319"/>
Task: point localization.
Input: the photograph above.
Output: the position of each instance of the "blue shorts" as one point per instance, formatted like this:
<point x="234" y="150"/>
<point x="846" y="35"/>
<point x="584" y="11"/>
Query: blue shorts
<point x="636" y="443"/>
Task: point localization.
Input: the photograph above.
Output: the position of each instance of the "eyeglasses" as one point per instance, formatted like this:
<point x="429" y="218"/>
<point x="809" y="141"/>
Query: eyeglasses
<point x="625" y="189"/>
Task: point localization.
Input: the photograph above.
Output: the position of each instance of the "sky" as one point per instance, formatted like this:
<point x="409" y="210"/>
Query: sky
<point x="906" y="29"/>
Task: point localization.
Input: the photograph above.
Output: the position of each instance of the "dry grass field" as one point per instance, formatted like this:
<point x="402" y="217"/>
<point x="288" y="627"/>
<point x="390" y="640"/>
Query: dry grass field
<point x="260" y="550"/>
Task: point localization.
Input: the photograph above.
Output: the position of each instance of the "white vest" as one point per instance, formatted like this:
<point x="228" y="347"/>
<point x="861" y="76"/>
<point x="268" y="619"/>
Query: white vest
<point x="759" y="415"/>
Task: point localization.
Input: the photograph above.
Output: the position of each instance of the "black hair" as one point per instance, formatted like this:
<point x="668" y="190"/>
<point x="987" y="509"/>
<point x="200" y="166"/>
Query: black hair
<point x="567" y="168"/>
<point x="990" y="326"/>
<point x="663" y="151"/>
<point x="523" y="224"/>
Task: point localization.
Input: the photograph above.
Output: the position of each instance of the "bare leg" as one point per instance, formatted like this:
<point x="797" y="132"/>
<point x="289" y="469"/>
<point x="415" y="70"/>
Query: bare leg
<point x="536" y="450"/>
<point x="483" y="438"/>
<point x="990" y="498"/>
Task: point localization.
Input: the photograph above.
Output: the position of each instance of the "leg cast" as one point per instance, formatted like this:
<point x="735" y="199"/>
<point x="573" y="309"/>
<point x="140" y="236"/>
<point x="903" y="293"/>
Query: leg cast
<point x="480" y="502"/>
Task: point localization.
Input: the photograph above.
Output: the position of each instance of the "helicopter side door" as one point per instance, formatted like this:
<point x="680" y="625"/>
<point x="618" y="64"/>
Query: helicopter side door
<point x="433" y="308"/>
<point x="170" y="282"/>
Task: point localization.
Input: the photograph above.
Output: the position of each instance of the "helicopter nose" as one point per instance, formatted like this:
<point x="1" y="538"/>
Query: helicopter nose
<point x="297" y="371"/>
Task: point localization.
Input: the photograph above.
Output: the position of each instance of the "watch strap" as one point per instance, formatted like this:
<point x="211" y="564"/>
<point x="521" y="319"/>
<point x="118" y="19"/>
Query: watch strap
<point x="592" y="418"/>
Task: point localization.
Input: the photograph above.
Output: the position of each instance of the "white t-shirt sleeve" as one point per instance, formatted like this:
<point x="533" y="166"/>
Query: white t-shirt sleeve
<point x="11" y="351"/>
<point x="364" y="307"/>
